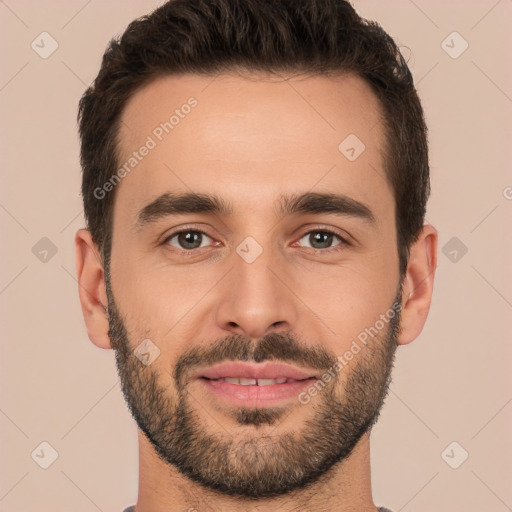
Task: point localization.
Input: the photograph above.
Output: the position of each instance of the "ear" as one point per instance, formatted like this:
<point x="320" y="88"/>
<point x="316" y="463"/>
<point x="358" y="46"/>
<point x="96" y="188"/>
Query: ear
<point x="91" y="288"/>
<point x="418" y="285"/>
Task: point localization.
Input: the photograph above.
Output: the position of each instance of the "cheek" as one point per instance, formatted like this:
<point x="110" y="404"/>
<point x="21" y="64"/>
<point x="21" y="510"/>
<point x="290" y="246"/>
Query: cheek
<point x="351" y="307"/>
<point x="162" y="303"/>
<point x="343" y="300"/>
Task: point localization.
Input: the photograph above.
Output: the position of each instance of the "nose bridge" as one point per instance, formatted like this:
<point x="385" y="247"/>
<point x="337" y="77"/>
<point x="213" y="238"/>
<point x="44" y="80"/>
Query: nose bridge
<point x="255" y="301"/>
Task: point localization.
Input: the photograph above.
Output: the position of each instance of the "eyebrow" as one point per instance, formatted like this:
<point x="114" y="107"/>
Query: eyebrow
<point x="169" y="204"/>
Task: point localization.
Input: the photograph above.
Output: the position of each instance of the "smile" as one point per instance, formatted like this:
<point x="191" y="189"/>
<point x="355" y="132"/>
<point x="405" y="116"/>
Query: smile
<point x="256" y="382"/>
<point x="245" y="384"/>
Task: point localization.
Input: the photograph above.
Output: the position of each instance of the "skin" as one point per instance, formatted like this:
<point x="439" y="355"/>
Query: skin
<point x="250" y="139"/>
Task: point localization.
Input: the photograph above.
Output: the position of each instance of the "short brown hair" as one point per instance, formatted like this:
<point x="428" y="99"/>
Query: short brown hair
<point x="283" y="36"/>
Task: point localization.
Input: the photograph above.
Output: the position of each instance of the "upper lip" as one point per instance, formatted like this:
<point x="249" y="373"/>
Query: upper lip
<point x="238" y="369"/>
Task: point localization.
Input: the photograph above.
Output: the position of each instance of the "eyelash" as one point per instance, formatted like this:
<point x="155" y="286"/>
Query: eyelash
<point x="192" y="252"/>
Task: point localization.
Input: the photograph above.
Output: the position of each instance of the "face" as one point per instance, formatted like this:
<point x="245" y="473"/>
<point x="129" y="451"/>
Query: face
<point x="257" y="258"/>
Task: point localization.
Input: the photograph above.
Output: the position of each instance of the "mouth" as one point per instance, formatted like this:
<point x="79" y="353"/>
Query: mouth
<point x="254" y="384"/>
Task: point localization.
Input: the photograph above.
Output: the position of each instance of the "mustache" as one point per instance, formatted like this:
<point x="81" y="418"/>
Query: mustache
<point x="285" y="348"/>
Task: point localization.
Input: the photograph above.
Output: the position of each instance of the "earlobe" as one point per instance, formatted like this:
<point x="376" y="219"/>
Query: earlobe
<point x="418" y="285"/>
<point x="91" y="288"/>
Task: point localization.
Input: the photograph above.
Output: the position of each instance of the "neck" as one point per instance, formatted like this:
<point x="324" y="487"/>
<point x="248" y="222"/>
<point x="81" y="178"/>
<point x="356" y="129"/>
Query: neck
<point x="346" y="487"/>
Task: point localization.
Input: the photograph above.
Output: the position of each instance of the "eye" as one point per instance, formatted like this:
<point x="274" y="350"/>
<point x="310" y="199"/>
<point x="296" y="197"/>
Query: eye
<point x="188" y="239"/>
<point x="322" y="239"/>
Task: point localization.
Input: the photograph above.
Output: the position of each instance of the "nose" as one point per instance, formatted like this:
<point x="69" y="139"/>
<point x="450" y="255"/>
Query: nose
<point x="255" y="298"/>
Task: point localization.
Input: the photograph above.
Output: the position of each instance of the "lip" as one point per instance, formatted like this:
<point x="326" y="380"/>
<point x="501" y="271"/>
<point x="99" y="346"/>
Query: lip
<point x="253" y="395"/>
<point x="268" y="370"/>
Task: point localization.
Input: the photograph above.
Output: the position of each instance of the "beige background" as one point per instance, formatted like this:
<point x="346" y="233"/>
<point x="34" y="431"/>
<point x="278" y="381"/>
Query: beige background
<point x="451" y="384"/>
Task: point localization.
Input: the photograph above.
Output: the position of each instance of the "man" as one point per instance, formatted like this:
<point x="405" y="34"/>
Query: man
<point x="255" y="177"/>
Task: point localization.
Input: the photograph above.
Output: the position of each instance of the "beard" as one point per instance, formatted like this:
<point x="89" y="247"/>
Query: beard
<point x="243" y="461"/>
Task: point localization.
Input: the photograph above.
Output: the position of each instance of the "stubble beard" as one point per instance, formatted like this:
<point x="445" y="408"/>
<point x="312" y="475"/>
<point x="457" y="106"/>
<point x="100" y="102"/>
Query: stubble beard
<point x="250" y="459"/>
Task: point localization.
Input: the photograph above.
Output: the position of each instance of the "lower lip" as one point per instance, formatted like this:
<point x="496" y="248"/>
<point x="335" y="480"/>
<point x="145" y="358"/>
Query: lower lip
<point x="256" y="396"/>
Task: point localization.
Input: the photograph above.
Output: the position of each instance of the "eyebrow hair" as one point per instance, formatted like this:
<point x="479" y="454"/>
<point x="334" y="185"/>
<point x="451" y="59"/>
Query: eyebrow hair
<point x="310" y="202"/>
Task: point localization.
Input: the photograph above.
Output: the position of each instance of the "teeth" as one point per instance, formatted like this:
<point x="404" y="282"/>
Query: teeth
<point x="256" y="382"/>
<point x="267" y="382"/>
<point x="248" y="382"/>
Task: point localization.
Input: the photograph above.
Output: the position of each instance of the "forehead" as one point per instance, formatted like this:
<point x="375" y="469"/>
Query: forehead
<point x="251" y="135"/>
